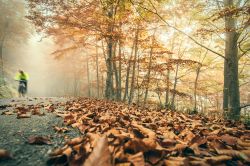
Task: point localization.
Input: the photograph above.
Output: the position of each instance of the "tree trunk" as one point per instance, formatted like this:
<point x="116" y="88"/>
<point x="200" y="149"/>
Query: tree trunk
<point x="175" y="84"/>
<point x="167" y="90"/>
<point x="159" y="94"/>
<point x="120" y="73"/>
<point x="226" y="87"/>
<point x="127" y="74"/>
<point x="195" y="87"/>
<point x="133" y="71"/>
<point x="109" y="91"/>
<point x="97" y="72"/>
<point x="88" y="77"/>
<point x="2" y="68"/>
<point x="148" y="74"/>
<point x="2" y="81"/>
<point x="116" y="74"/>
<point x="231" y="54"/>
<point x="137" y="80"/>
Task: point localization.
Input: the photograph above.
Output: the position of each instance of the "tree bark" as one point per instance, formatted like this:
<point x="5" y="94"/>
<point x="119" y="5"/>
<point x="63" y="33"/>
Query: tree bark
<point x="231" y="54"/>
<point x="88" y="77"/>
<point x="175" y="84"/>
<point x="167" y="90"/>
<point x="97" y="72"/>
<point x="2" y="81"/>
<point x="120" y="72"/>
<point x="116" y="74"/>
<point x="127" y="74"/>
<point x="195" y="87"/>
<point x="148" y="74"/>
<point x="131" y="95"/>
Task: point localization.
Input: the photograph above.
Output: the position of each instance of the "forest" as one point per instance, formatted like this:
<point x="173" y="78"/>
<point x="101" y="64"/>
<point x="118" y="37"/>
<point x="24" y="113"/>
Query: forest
<point x="176" y="54"/>
<point x="148" y="61"/>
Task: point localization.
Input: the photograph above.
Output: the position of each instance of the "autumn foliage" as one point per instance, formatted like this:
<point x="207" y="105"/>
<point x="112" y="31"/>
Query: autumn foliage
<point x="115" y="134"/>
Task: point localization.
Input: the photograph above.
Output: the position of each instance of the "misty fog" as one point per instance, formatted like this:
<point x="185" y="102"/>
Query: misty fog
<point x="48" y="76"/>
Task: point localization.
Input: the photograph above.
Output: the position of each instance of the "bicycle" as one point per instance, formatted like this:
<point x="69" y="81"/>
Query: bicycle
<point x="22" y="89"/>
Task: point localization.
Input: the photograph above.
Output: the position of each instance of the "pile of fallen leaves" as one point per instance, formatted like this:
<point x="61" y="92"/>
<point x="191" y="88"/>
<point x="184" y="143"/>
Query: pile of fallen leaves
<point x="115" y="134"/>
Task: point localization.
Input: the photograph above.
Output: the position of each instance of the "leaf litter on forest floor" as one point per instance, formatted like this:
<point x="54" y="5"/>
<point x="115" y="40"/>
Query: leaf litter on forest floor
<point x="116" y="134"/>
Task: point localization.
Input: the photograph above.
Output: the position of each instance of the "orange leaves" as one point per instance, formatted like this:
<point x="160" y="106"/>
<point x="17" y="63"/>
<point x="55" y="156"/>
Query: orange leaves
<point x="130" y="136"/>
<point x="101" y="155"/>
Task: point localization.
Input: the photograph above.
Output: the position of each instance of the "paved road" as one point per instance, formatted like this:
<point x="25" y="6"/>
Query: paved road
<point x="14" y="132"/>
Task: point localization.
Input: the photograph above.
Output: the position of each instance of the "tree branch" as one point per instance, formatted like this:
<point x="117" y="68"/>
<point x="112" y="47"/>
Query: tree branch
<point x="178" y="30"/>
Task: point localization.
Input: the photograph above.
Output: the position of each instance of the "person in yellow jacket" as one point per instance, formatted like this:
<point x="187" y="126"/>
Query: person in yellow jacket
<point x="23" y="78"/>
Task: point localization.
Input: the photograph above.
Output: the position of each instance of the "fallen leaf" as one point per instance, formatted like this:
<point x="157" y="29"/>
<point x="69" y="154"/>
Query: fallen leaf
<point x="176" y="161"/>
<point x="101" y="155"/>
<point x="39" y="140"/>
<point x="4" y="155"/>
<point x="20" y="116"/>
<point x="137" y="159"/>
<point x="218" y="159"/>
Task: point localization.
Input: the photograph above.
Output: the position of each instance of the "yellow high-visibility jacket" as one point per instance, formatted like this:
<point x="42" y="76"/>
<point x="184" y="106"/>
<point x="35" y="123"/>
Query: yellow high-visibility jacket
<point x="20" y="76"/>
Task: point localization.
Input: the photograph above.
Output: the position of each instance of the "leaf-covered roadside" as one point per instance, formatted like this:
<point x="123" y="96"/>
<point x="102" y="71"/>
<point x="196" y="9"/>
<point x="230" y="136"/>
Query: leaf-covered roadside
<point x="115" y="134"/>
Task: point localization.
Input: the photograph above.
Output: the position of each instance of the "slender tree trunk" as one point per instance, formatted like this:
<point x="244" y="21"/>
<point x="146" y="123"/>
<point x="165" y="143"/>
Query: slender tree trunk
<point x="109" y="91"/>
<point x="2" y="68"/>
<point x="131" y="95"/>
<point x="97" y="72"/>
<point x="88" y="77"/>
<point x="127" y="74"/>
<point x="175" y="84"/>
<point x="231" y="54"/>
<point x="2" y="63"/>
<point x="159" y="94"/>
<point x="195" y="87"/>
<point x="120" y="72"/>
<point x="167" y="103"/>
<point x="167" y="90"/>
<point x="116" y="74"/>
<point x="102" y="86"/>
<point x="226" y="87"/>
<point x="148" y="74"/>
<point x="137" y="80"/>
<point x="2" y="40"/>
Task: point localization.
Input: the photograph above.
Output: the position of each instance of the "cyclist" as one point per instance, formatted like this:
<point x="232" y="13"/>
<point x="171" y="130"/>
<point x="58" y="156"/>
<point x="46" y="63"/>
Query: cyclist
<point x="23" y="78"/>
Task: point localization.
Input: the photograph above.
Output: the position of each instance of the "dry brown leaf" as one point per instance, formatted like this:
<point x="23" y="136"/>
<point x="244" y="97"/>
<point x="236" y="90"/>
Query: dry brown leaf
<point x="4" y="155"/>
<point x="39" y="140"/>
<point x="145" y="131"/>
<point x="137" y="159"/>
<point x="233" y="153"/>
<point x="101" y="155"/>
<point x="243" y="143"/>
<point x="75" y="141"/>
<point x="168" y="143"/>
<point x="218" y="159"/>
<point x="7" y="113"/>
<point x="20" y="116"/>
<point x="61" y="129"/>
<point x="176" y="161"/>
<point x="229" y="139"/>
